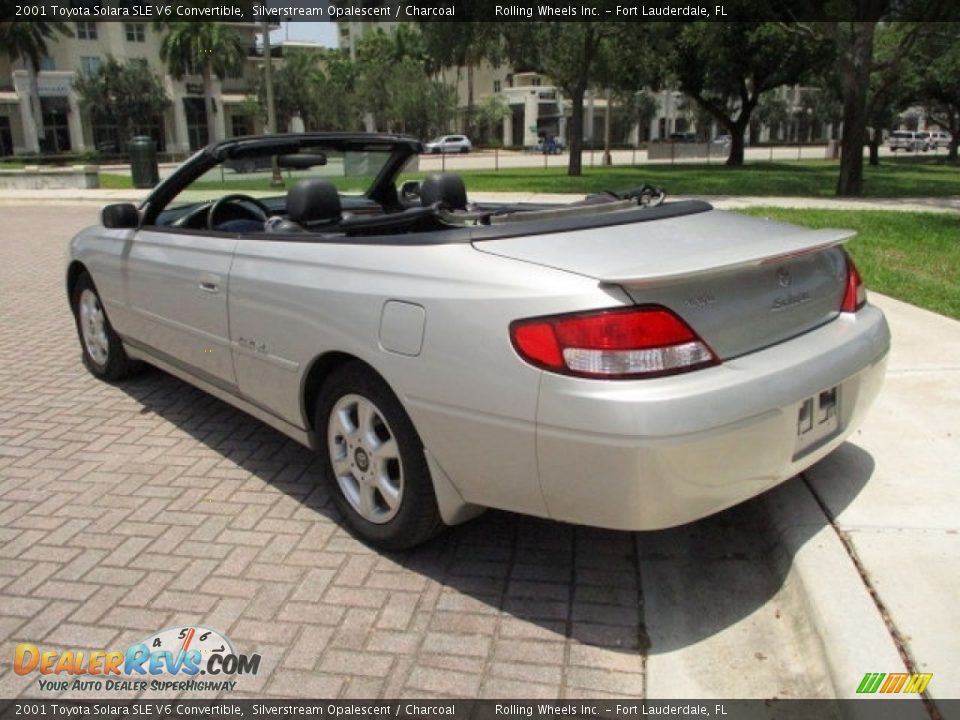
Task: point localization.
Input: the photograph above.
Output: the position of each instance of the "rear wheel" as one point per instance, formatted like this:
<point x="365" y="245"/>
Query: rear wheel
<point x="103" y="353"/>
<point x="373" y="461"/>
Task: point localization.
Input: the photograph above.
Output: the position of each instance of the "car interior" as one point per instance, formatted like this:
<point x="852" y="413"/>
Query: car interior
<point x="324" y="197"/>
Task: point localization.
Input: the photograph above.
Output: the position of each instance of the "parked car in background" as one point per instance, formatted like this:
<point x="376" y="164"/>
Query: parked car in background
<point x="909" y="141"/>
<point x="682" y="137"/>
<point x="449" y="144"/>
<point x="940" y="139"/>
<point x="550" y="146"/>
<point x="619" y="361"/>
<point x="722" y="140"/>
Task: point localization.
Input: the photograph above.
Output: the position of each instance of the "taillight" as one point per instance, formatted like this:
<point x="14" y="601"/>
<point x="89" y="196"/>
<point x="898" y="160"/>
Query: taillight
<point x="616" y="344"/>
<point x="855" y="295"/>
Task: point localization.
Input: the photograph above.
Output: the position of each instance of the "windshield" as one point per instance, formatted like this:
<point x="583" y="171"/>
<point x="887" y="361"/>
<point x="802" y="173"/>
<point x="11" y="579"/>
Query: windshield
<point x="352" y="172"/>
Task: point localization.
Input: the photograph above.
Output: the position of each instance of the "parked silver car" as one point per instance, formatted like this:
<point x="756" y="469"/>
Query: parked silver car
<point x="620" y="361"/>
<point x="449" y="144"/>
<point x="909" y="141"/>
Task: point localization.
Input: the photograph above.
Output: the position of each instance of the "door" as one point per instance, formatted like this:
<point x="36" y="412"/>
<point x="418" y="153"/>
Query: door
<point x="176" y="289"/>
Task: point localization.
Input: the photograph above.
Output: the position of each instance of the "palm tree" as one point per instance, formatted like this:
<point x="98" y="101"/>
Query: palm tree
<point x="205" y="48"/>
<point x="27" y="42"/>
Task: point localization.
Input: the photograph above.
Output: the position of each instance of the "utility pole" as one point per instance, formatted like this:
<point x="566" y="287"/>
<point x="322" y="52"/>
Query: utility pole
<point x="277" y="178"/>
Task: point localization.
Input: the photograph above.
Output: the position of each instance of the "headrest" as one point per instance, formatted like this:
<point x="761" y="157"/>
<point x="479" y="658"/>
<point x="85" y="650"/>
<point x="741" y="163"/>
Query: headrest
<point x="446" y="189"/>
<point x="312" y="200"/>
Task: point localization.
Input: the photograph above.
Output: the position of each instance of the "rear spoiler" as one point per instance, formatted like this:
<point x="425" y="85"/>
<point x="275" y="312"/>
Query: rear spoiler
<point x="676" y="265"/>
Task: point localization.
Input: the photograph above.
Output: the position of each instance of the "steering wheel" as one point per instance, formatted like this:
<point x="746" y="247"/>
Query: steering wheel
<point x="261" y="214"/>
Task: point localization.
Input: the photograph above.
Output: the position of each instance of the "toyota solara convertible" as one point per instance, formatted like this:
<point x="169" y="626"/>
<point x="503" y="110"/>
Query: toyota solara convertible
<point x="620" y="361"/>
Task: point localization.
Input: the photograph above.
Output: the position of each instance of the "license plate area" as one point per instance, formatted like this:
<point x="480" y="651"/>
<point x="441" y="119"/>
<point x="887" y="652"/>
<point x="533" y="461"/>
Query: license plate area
<point x="818" y="420"/>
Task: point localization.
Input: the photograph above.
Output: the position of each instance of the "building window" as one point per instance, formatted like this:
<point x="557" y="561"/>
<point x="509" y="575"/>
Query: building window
<point x="47" y="63"/>
<point x="136" y="32"/>
<point x="56" y="131"/>
<point x="86" y="30"/>
<point x="496" y="86"/>
<point x="89" y="65"/>
<point x="240" y="125"/>
<point x="196" y="113"/>
<point x="6" y="137"/>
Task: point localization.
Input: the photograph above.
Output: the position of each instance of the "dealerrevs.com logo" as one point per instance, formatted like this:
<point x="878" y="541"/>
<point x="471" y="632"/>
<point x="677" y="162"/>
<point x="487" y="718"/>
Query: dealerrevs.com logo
<point x="177" y="659"/>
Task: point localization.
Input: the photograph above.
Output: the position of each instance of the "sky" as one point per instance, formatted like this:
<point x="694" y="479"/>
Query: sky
<point x="323" y="32"/>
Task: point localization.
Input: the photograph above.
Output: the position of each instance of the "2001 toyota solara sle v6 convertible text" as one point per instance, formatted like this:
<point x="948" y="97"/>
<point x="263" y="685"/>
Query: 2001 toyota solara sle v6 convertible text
<point x="619" y="361"/>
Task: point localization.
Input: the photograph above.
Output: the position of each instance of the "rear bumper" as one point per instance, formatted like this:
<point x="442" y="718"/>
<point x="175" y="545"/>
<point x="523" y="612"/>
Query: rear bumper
<point x="644" y="455"/>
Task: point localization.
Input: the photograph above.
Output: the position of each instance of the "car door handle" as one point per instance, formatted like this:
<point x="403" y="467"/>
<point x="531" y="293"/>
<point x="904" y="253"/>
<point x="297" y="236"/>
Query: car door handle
<point x="210" y="283"/>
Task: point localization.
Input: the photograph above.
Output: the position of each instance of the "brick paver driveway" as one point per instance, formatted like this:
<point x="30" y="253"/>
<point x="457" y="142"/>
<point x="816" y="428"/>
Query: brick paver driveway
<point x="129" y="508"/>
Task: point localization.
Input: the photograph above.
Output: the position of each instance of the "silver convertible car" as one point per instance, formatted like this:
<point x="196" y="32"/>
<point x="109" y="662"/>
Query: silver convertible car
<point x="620" y="361"/>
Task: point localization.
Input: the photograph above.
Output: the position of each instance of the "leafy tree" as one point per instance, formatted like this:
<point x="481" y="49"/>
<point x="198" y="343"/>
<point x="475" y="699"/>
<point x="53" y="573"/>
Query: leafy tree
<point x="772" y="110"/>
<point x="210" y="49"/>
<point x="700" y="116"/>
<point x="891" y="84"/>
<point x="936" y="73"/>
<point x="639" y="106"/>
<point x="26" y="41"/>
<point x="462" y="45"/>
<point x="129" y="96"/>
<point x="392" y="84"/>
<point x="490" y="112"/>
<point x="854" y="40"/>
<point x="421" y="107"/>
<point x="573" y="55"/>
<point x="727" y="67"/>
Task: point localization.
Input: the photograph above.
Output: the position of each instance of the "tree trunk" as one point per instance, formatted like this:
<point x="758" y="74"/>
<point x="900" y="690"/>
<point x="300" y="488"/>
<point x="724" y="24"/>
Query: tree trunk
<point x="875" y="147"/>
<point x="954" y="136"/>
<point x="212" y="134"/>
<point x="855" y="81"/>
<point x="737" y="129"/>
<point x="575" y="166"/>
<point x="469" y="124"/>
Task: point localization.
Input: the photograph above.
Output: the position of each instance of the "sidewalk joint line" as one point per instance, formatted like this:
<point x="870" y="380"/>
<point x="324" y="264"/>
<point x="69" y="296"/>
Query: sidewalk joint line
<point x="929" y="705"/>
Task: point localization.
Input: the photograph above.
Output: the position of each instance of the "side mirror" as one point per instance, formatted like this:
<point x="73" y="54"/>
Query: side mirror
<point x="410" y="191"/>
<point x="120" y="216"/>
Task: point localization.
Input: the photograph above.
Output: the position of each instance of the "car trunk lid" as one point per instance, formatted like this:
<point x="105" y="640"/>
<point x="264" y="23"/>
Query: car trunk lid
<point x="741" y="283"/>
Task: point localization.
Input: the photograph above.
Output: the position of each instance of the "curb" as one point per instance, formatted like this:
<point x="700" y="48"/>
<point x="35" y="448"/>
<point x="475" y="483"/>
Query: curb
<point x="853" y="635"/>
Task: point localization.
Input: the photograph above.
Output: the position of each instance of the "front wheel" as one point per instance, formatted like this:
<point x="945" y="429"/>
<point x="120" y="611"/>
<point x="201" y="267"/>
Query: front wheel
<point x="103" y="352"/>
<point x="373" y="461"/>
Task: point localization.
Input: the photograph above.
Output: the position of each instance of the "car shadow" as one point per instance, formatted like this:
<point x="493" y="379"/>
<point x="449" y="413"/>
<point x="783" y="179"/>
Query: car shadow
<point x="636" y="593"/>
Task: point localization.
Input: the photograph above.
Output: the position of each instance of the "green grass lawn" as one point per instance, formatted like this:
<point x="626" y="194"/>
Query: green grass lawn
<point x="912" y="256"/>
<point x="906" y="177"/>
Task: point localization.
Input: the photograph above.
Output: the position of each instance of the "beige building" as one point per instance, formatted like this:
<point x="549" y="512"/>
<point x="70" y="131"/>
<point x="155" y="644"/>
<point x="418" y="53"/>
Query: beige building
<point x="182" y="128"/>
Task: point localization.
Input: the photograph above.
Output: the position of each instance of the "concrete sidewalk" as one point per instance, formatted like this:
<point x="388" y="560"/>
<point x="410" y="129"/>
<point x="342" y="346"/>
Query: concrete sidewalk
<point x="893" y="496"/>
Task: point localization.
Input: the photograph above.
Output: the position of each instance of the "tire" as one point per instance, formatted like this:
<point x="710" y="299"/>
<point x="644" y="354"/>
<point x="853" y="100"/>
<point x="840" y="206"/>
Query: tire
<point x="378" y="477"/>
<point x="103" y="352"/>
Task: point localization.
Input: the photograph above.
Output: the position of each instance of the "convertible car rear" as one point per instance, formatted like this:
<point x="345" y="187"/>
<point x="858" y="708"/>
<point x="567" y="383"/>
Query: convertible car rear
<point x="621" y="361"/>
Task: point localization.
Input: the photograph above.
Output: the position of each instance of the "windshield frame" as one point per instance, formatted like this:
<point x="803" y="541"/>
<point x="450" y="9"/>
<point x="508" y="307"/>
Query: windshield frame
<point x="381" y="190"/>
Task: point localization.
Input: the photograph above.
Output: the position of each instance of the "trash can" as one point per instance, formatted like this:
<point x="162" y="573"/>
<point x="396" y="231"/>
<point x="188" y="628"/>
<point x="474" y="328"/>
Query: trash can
<point x="143" y="162"/>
